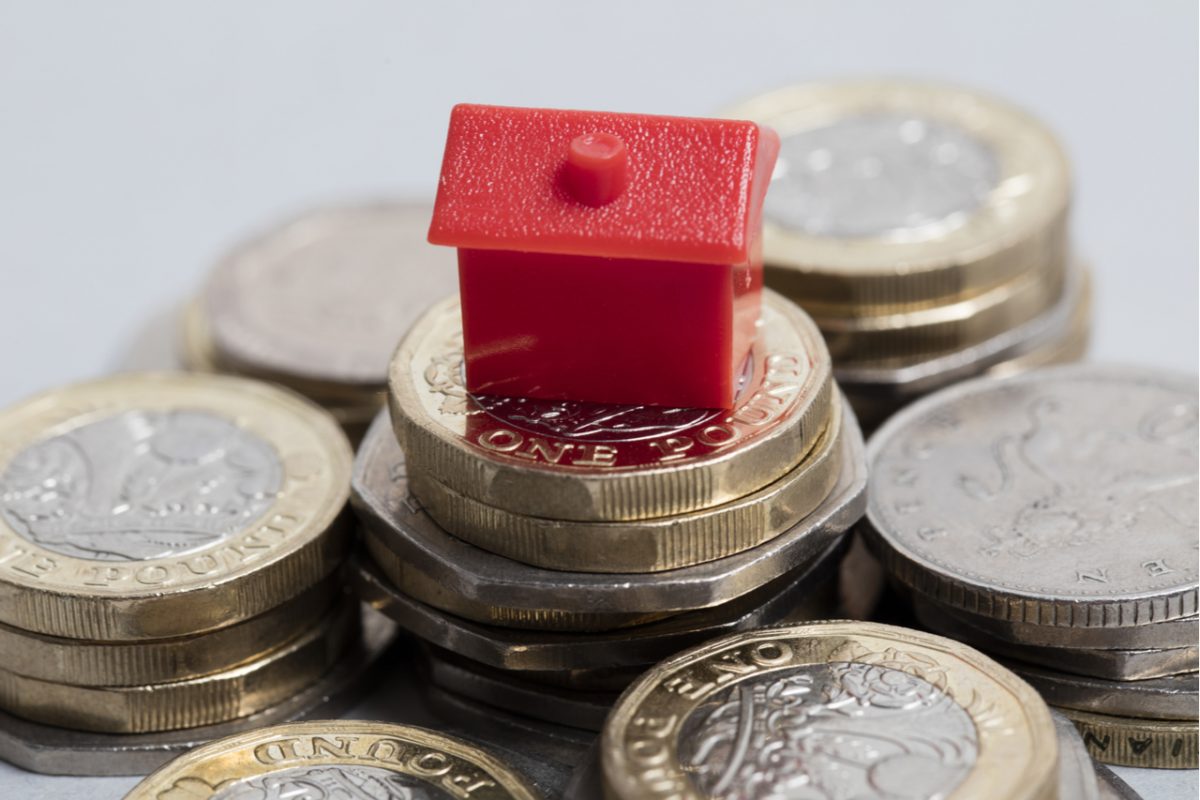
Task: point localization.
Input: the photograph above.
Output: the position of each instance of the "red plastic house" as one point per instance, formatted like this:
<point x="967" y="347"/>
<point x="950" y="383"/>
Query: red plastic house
<point x="613" y="258"/>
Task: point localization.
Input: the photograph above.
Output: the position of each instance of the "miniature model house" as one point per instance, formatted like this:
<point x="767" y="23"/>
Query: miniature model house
<point x="613" y="258"/>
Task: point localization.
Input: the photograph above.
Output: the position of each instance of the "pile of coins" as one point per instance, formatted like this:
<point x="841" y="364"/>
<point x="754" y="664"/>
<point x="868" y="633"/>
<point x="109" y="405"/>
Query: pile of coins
<point x="835" y="709"/>
<point x="1050" y="520"/>
<point x="925" y="229"/>
<point x="318" y="304"/>
<point x="548" y="552"/>
<point x="170" y="553"/>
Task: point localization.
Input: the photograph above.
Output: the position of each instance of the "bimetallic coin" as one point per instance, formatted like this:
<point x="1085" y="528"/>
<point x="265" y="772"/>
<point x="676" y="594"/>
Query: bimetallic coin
<point x="1076" y="775"/>
<point x="653" y="545"/>
<point x="325" y="297"/>
<point x="84" y="663"/>
<point x="222" y="696"/>
<point x="337" y="758"/>
<point x="914" y="335"/>
<point x="595" y="462"/>
<point x="1134" y="742"/>
<point x="1112" y="664"/>
<point x="1059" y="335"/>
<point x="52" y="750"/>
<point x="809" y="594"/>
<point x="140" y="506"/>
<point x="855" y="708"/>
<point x="1172" y="697"/>
<point x="891" y="194"/>
<point x="1064" y="497"/>
<point x="429" y="565"/>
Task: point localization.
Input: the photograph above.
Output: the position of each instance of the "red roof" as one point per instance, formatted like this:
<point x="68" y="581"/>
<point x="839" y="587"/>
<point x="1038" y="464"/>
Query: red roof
<point x="694" y="187"/>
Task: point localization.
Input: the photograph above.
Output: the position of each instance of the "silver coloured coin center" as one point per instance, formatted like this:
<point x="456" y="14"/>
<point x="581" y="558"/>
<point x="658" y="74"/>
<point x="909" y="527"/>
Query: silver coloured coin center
<point x="1077" y="485"/>
<point x="331" y="782"/>
<point x="838" y="731"/>
<point x="880" y="175"/>
<point x="140" y="485"/>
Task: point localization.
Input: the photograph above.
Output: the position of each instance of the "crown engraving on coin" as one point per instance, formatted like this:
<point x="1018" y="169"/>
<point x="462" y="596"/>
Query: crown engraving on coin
<point x="140" y="485"/>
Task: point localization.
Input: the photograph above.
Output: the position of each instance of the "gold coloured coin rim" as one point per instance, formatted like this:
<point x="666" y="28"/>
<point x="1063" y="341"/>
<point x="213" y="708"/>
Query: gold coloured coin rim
<point x="1022" y="144"/>
<point x="204" y="700"/>
<point x="87" y="663"/>
<point x="304" y="438"/>
<point x="635" y="492"/>
<point x="713" y="532"/>
<point x="977" y="683"/>
<point x="234" y="754"/>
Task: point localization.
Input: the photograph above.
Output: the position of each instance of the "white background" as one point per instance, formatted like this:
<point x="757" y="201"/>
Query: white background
<point x="138" y="140"/>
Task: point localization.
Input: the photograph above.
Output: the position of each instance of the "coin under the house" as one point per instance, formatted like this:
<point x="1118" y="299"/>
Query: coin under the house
<point x="423" y="561"/>
<point x="584" y="462"/>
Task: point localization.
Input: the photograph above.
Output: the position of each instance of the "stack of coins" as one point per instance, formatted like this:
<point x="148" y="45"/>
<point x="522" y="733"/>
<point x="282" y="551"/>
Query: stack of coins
<point x="318" y="304"/>
<point x="537" y="544"/>
<point x="835" y="709"/>
<point x="1050" y="520"/>
<point x="925" y="229"/>
<point x="170" y="548"/>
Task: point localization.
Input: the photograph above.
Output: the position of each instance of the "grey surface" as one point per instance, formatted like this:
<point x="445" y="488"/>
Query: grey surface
<point x="141" y="139"/>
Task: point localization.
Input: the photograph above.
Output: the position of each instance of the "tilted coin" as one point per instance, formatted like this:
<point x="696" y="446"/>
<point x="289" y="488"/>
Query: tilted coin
<point x="911" y="336"/>
<point x="652" y="545"/>
<point x="854" y="709"/>
<point x="512" y="693"/>
<point x="1173" y="634"/>
<point x="426" y="563"/>
<point x="1170" y="697"/>
<point x="84" y="663"/>
<point x="801" y="596"/>
<point x="238" y="692"/>
<point x="1076" y="776"/>
<point x="597" y="462"/>
<point x="1134" y="742"/>
<point x="891" y="193"/>
<point x="141" y="506"/>
<point x="1063" y="497"/>
<point x="325" y="297"/>
<point x="53" y="750"/>
<point x="1113" y="664"/>
<point x="1112" y="787"/>
<point x="337" y="758"/>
